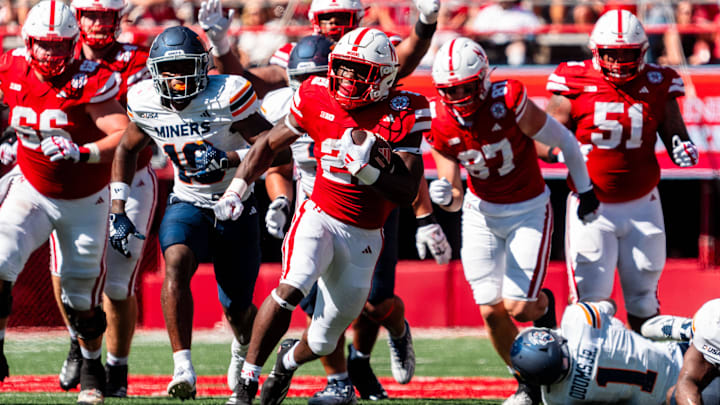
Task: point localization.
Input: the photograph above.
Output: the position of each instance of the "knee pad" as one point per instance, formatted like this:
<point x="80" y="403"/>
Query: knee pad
<point x="6" y="299"/>
<point x="322" y="348"/>
<point x="87" y="328"/>
<point x="117" y="291"/>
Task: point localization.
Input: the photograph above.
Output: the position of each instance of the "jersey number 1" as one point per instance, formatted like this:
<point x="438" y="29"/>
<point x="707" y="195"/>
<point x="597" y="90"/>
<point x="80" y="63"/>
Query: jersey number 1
<point x="646" y="380"/>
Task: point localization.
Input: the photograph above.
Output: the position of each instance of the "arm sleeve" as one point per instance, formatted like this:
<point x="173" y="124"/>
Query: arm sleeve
<point x="554" y="133"/>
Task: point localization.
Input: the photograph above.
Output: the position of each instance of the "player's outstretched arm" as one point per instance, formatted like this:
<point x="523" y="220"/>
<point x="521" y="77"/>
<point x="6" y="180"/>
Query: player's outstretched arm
<point x="674" y="135"/>
<point x="413" y="48"/>
<point x="447" y="191"/>
<point x="695" y="375"/>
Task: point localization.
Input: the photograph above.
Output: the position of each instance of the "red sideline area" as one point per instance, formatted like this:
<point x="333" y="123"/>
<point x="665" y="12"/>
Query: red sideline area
<point x="437" y="296"/>
<point x="302" y="386"/>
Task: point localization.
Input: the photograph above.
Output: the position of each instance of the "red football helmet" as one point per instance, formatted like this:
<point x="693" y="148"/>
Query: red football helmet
<point x="460" y="64"/>
<point x="107" y="20"/>
<point x="620" y="36"/>
<point x="351" y="11"/>
<point x="52" y="27"/>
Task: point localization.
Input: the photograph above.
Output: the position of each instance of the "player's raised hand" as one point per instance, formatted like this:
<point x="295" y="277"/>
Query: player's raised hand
<point x="432" y="236"/>
<point x="229" y="207"/>
<point x="355" y="157"/>
<point x="215" y="25"/>
<point x="429" y="10"/>
<point x="277" y="216"/>
<point x="440" y="192"/>
<point x="8" y="153"/>
<point x="587" y="209"/>
<point x="684" y="153"/>
<point x="58" y="147"/>
<point x="121" y="229"/>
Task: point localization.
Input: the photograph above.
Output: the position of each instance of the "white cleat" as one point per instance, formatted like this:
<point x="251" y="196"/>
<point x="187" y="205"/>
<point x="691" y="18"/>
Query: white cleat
<point x="182" y="385"/>
<point x="91" y="396"/>
<point x="237" y="359"/>
<point x="667" y="327"/>
<point x="402" y="357"/>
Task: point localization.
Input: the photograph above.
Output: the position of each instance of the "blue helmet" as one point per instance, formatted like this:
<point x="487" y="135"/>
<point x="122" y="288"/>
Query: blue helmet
<point x="540" y="356"/>
<point x="308" y="57"/>
<point x="178" y="51"/>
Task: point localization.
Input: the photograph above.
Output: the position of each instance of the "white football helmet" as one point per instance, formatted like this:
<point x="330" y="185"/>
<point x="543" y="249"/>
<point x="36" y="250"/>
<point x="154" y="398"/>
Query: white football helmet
<point x="50" y="21"/>
<point x="353" y="8"/>
<point x="618" y="31"/>
<point x="459" y="62"/>
<point x="371" y="56"/>
<point x="102" y="34"/>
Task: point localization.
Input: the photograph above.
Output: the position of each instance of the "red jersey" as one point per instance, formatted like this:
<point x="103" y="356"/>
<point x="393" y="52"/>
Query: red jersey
<point x="42" y="109"/>
<point x="500" y="159"/>
<point x="621" y="123"/>
<point x="130" y="62"/>
<point x="402" y="118"/>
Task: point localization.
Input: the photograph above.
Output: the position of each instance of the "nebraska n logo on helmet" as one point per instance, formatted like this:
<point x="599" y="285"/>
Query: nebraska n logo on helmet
<point x="458" y="63"/>
<point x="618" y="43"/>
<point x="50" y="23"/>
<point x="105" y="16"/>
<point x="178" y="63"/>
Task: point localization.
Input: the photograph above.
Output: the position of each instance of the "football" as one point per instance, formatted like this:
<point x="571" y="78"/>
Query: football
<point x="381" y="152"/>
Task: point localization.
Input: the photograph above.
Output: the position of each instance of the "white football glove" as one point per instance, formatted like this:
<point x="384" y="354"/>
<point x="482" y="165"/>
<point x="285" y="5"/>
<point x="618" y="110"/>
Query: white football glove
<point x="8" y="153"/>
<point x="441" y="192"/>
<point x="276" y="217"/>
<point x="355" y="157"/>
<point x="215" y="25"/>
<point x="58" y="147"/>
<point x="685" y="153"/>
<point x="585" y="149"/>
<point x="429" y="10"/>
<point x="432" y="236"/>
<point x="229" y="206"/>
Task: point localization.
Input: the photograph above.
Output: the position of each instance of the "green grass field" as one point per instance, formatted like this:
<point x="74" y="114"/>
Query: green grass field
<point x="444" y="355"/>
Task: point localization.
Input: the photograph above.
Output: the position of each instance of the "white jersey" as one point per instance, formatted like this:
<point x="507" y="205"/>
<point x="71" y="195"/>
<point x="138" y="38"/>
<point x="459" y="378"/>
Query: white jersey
<point x="611" y="364"/>
<point x="706" y="332"/>
<point x="207" y="119"/>
<point x="275" y="106"/>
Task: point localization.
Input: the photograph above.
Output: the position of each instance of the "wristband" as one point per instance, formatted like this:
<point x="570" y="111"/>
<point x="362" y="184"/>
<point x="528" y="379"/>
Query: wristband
<point x="93" y="152"/>
<point x="242" y="152"/>
<point x="426" y="220"/>
<point x="238" y="186"/>
<point x="119" y="191"/>
<point x="292" y="128"/>
<point x="425" y="31"/>
<point x="368" y="175"/>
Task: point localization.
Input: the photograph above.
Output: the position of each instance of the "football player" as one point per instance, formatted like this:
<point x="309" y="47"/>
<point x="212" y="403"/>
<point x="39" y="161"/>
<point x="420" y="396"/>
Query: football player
<point x="699" y="379"/>
<point x="68" y="124"/>
<point x="99" y="22"/>
<point x="203" y="123"/>
<point x="310" y="58"/>
<point x="336" y="235"/>
<point x="617" y="103"/>
<point x="490" y="128"/>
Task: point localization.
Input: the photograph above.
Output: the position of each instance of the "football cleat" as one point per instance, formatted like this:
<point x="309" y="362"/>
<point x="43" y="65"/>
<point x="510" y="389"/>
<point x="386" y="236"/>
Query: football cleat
<point x="117" y="381"/>
<point x="91" y="396"/>
<point x="275" y="388"/>
<point x="402" y="357"/>
<point x="526" y="394"/>
<point x="182" y="385"/>
<point x="667" y="327"/>
<point x="92" y="378"/>
<point x="363" y="377"/>
<point x="237" y="359"/>
<point x="243" y="393"/>
<point x="70" y="371"/>
<point x="548" y="320"/>
<point x="336" y="392"/>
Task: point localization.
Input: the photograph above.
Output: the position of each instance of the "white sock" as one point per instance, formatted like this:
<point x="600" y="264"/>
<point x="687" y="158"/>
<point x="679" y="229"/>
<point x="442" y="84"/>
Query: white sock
<point x="112" y="360"/>
<point x="288" y="360"/>
<point x="250" y="372"/>
<point x="360" y="354"/>
<point x="338" y="376"/>
<point x="239" y="349"/>
<point x="87" y="354"/>
<point x="182" y="358"/>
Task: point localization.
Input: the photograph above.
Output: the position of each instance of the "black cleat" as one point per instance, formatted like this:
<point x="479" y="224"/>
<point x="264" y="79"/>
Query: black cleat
<point x="363" y="377"/>
<point x="92" y="375"/>
<point x="117" y="381"/>
<point x="275" y="388"/>
<point x="244" y="393"/>
<point x="336" y="392"/>
<point x="70" y="372"/>
<point x="549" y="320"/>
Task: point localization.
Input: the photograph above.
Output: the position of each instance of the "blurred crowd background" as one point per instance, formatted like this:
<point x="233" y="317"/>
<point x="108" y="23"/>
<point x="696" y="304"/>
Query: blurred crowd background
<point x="513" y="32"/>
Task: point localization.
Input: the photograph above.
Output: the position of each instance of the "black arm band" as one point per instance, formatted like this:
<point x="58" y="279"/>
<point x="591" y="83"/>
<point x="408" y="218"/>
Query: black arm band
<point x="426" y="220"/>
<point x="425" y="31"/>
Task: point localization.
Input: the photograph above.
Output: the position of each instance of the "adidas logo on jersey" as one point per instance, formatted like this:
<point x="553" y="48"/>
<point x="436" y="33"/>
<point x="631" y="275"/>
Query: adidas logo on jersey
<point x="100" y="200"/>
<point x="367" y="250"/>
<point x="205" y="114"/>
<point x="496" y="127"/>
<point x="644" y="90"/>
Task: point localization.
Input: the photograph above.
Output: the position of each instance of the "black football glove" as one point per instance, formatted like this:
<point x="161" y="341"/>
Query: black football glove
<point x="121" y="228"/>
<point x="587" y="209"/>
